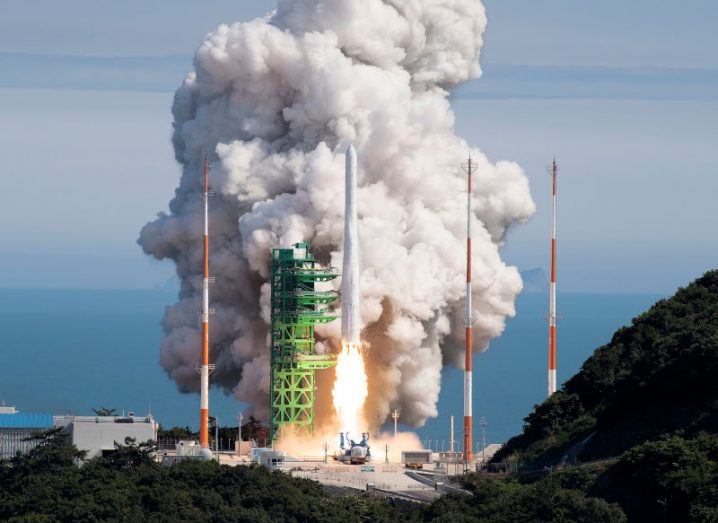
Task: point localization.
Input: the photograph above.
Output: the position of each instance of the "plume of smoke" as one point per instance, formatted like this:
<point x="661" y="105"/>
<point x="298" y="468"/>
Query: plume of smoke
<point x="274" y="102"/>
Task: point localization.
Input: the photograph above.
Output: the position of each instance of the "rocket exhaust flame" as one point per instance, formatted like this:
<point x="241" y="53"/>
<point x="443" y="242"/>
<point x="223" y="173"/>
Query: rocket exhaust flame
<point x="350" y="389"/>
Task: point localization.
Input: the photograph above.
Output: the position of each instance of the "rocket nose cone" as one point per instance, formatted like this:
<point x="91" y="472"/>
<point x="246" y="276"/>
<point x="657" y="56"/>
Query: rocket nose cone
<point x="351" y="156"/>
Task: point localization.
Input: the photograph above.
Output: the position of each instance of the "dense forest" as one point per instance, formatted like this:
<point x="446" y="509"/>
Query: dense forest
<point x="632" y="437"/>
<point x="47" y="485"/>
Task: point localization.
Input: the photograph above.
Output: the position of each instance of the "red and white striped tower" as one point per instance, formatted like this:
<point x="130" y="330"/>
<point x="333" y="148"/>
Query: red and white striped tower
<point x="204" y="369"/>
<point x="469" y="167"/>
<point x="552" y="293"/>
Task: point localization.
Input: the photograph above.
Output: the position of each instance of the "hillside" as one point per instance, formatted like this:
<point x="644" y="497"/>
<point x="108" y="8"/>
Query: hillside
<point x="655" y="377"/>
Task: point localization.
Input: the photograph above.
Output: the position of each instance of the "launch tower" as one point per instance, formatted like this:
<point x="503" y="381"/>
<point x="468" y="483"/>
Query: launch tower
<point x="296" y="308"/>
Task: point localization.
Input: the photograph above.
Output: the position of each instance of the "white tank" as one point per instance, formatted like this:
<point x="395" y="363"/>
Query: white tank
<point x="358" y="452"/>
<point x="205" y="454"/>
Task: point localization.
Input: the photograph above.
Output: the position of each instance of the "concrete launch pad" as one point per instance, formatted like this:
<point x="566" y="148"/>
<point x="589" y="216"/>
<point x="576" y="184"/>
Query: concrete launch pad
<point x="383" y="479"/>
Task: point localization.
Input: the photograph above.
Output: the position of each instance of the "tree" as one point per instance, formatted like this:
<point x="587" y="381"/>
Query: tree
<point x="130" y="456"/>
<point x="52" y="452"/>
<point x="176" y="433"/>
<point x="104" y="411"/>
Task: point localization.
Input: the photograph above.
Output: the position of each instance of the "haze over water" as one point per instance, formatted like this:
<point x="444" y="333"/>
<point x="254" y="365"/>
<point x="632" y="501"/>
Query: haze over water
<point x="67" y="351"/>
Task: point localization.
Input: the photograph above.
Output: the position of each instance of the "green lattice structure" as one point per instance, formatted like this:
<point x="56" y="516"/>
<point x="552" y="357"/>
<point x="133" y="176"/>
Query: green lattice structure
<point x="297" y="307"/>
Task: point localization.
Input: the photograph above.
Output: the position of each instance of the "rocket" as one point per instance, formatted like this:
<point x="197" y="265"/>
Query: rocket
<point x="351" y="325"/>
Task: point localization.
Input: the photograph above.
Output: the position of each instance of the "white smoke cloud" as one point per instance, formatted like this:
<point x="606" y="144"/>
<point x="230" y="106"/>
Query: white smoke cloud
<point x="273" y="103"/>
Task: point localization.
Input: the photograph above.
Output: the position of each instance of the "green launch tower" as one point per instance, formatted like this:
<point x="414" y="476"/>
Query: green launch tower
<point x="297" y="307"/>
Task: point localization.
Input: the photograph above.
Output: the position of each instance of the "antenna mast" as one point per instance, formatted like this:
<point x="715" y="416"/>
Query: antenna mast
<point x="469" y="168"/>
<point x="205" y="367"/>
<point x="552" y="292"/>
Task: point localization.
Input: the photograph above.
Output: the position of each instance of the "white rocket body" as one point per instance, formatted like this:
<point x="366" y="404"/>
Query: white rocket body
<point x="351" y="323"/>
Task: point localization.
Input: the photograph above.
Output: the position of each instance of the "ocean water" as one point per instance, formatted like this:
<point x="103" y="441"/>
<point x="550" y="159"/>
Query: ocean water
<point x="67" y="351"/>
<point x="511" y="376"/>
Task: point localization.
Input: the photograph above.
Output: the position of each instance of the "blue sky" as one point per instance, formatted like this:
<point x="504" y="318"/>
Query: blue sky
<point x="624" y="93"/>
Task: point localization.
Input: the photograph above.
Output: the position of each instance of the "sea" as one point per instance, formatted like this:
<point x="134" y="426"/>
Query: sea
<point x="69" y="351"/>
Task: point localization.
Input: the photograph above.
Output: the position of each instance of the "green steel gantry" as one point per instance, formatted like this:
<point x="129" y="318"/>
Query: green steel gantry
<point x="296" y="308"/>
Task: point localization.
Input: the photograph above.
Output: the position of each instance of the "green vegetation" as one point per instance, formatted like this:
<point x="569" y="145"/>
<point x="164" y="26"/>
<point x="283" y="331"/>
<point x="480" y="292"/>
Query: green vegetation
<point x="507" y="500"/>
<point x="675" y="479"/>
<point x="644" y="410"/>
<point x="104" y="411"/>
<point x="176" y="433"/>
<point x="656" y="377"/>
<point x="252" y="429"/>
<point x="47" y="485"/>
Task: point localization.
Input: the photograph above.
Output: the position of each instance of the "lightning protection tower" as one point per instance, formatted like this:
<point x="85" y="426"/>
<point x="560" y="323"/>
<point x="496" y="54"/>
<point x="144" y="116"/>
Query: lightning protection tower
<point x="470" y="169"/>
<point x="552" y="291"/>
<point x="206" y="368"/>
<point x="296" y="308"/>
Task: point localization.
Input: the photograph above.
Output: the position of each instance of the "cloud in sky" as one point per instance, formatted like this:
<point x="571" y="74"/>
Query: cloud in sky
<point x="500" y="81"/>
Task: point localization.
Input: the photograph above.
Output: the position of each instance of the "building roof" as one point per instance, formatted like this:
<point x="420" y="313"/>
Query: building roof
<point x="21" y="420"/>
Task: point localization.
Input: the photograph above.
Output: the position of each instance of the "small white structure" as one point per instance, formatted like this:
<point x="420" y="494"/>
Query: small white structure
<point x="272" y="459"/>
<point x="256" y="452"/>
<point x="98" y="434"/>
<point x="187" y="450"/>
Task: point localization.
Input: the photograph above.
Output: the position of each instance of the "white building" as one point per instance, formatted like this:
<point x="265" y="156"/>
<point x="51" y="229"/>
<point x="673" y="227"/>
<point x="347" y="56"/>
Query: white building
<point x="98" y="434"/>
<point x="95" y="434"/>
<point x="272" y="459"/>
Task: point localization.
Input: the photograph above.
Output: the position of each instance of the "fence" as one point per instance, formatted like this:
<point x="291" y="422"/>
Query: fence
<point x="16" y="440"/>
<point x="335" y="479"/>
<point x="338" y="479"/>
<point x="223" y="444"/>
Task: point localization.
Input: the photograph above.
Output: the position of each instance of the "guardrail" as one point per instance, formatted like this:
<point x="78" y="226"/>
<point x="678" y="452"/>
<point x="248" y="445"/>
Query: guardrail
<point x="399" y="495"/>
<point x="436" y="485"/>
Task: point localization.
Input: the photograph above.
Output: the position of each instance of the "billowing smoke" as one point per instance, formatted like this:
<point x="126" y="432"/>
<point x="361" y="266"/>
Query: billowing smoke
<point x="273" y="103"/>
